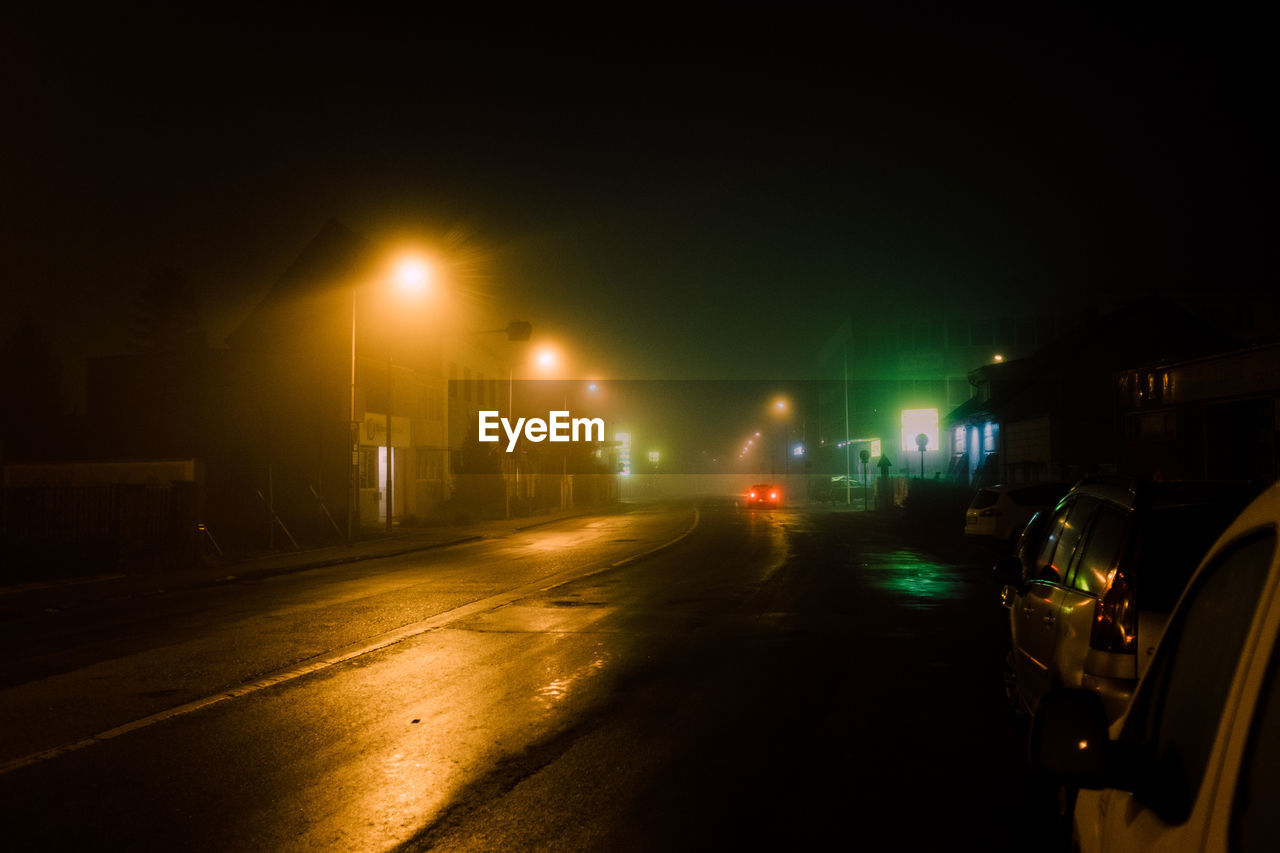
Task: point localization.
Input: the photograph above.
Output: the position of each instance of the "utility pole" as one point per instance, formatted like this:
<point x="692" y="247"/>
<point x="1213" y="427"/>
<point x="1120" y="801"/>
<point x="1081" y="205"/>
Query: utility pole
<point x="847" y="486"/>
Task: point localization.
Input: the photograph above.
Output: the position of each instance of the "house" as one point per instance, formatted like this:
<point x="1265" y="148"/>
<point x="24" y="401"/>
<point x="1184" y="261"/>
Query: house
<point x="1213" y="417"/>
<point x="1052" y="415"/>
<point x="900" y="372"/>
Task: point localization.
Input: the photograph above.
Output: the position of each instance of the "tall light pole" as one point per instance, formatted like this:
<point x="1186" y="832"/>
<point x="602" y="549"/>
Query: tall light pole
<point x="353" y="472"/>
<point x="781" y="408"/>
<point x="411" y="275"/>
<point x="548" y="360"/>
<point x="517" y="331"/>
<point x="847" y="485"/>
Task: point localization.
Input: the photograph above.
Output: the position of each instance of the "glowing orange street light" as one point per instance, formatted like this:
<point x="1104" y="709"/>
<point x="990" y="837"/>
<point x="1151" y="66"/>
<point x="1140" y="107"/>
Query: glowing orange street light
<point x="412" y="275"/>
<point x="782" y="411"/>
<point x="547" y="359"/>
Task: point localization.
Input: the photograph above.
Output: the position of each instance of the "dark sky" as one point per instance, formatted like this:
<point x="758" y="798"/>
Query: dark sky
<point x="673" y="194"/>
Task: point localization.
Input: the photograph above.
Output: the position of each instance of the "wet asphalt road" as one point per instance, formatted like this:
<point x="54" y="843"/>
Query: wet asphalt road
<point x="774" y="680"/>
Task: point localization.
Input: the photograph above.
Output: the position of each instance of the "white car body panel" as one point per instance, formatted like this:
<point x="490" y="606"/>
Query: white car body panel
<point x="1108" y="821"/>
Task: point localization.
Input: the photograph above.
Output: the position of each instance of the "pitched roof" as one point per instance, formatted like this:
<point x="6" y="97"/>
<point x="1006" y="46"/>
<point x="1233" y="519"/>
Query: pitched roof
<point x="334" y="258"/>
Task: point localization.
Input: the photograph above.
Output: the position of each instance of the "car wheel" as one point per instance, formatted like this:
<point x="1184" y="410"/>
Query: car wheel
<point x="1011" y="695"/>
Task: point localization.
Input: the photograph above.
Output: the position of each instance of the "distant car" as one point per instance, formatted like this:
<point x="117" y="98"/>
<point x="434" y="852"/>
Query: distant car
<point x="764" y="495"/>
<point x="1089" y="594"/>
<point x="1001" y="512"/>
<point x="835" y="489"/>
<point x="1194" y="763"/>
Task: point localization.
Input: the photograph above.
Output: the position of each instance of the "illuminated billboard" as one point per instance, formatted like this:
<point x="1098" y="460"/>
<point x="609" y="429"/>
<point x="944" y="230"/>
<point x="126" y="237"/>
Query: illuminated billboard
<point x="916" y="421"/>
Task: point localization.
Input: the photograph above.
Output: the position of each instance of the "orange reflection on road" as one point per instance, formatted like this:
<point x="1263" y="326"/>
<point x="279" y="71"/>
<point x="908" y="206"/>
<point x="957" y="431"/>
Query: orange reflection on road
<point x="554" y="692"/>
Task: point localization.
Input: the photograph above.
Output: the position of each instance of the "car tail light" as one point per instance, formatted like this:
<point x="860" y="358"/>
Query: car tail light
<point x="1115" y="624"/>
<point x="753" y="494"/>
<point x="773" y="496"/>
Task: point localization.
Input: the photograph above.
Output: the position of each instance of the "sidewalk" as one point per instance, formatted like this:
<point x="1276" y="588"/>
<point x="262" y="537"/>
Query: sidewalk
<point x="59" y="595"/>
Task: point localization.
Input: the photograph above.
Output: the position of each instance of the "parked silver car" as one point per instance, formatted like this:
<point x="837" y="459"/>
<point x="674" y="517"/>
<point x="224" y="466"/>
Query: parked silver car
<point x="1089" y="596"/>
<point x="1194" y="764"/>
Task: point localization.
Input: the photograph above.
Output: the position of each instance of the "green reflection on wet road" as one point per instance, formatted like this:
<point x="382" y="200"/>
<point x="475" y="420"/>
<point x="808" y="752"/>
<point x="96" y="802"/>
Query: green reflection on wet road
<point x="923" y="582"/>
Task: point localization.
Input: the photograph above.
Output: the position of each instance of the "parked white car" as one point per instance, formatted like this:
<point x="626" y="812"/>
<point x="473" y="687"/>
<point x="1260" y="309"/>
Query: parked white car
<point x="1001" y="512"/>
<point x="1194" y="763"/>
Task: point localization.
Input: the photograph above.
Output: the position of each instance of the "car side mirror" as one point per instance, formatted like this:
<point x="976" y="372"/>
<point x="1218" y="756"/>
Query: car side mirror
<point x="1008" y="571"/>
<point x="1070" y="741"/>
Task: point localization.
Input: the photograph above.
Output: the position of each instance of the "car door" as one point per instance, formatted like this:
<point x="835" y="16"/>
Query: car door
<point x="1037" y="608"/>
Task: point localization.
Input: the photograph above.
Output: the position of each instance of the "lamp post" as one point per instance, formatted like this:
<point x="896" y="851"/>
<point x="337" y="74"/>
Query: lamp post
<point x="517" y="331"/>
<point x="781" y="408"/>
<point x="411" y="276"/>
<point x="548" y="360"/>
<point x="353" y="472"/>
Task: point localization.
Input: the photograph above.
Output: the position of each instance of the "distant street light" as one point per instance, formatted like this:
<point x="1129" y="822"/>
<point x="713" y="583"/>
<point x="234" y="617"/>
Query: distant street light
<point x="548" y="361"/>
<point x="782" y="410"/>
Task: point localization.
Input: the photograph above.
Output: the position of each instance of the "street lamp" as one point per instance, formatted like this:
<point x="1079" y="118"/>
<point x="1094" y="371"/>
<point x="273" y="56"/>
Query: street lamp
<point x="547" y="360"/>
<point x="411" y="276"/>
<point x="782" y="409"/>
<point x="517" y="331"/>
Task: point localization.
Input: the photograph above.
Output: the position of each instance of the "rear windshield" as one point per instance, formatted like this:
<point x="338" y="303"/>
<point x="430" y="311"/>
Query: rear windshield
<point x="1041" y="494"/>
<point x="984" y="498"/>
<point x="1172" y="542"/>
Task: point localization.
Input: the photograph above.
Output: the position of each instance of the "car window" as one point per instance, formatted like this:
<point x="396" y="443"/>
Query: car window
<point x="1042" y="568"/>
<point x="1098" y="555"/>
<point x="1033" y="535"/>
<point x="1064" y="536"/>
<point x="984" y="498"/>
<point x="1255" y="822"/>
<point x="1176" y="714"/>
<point x="1173" y="541"/>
